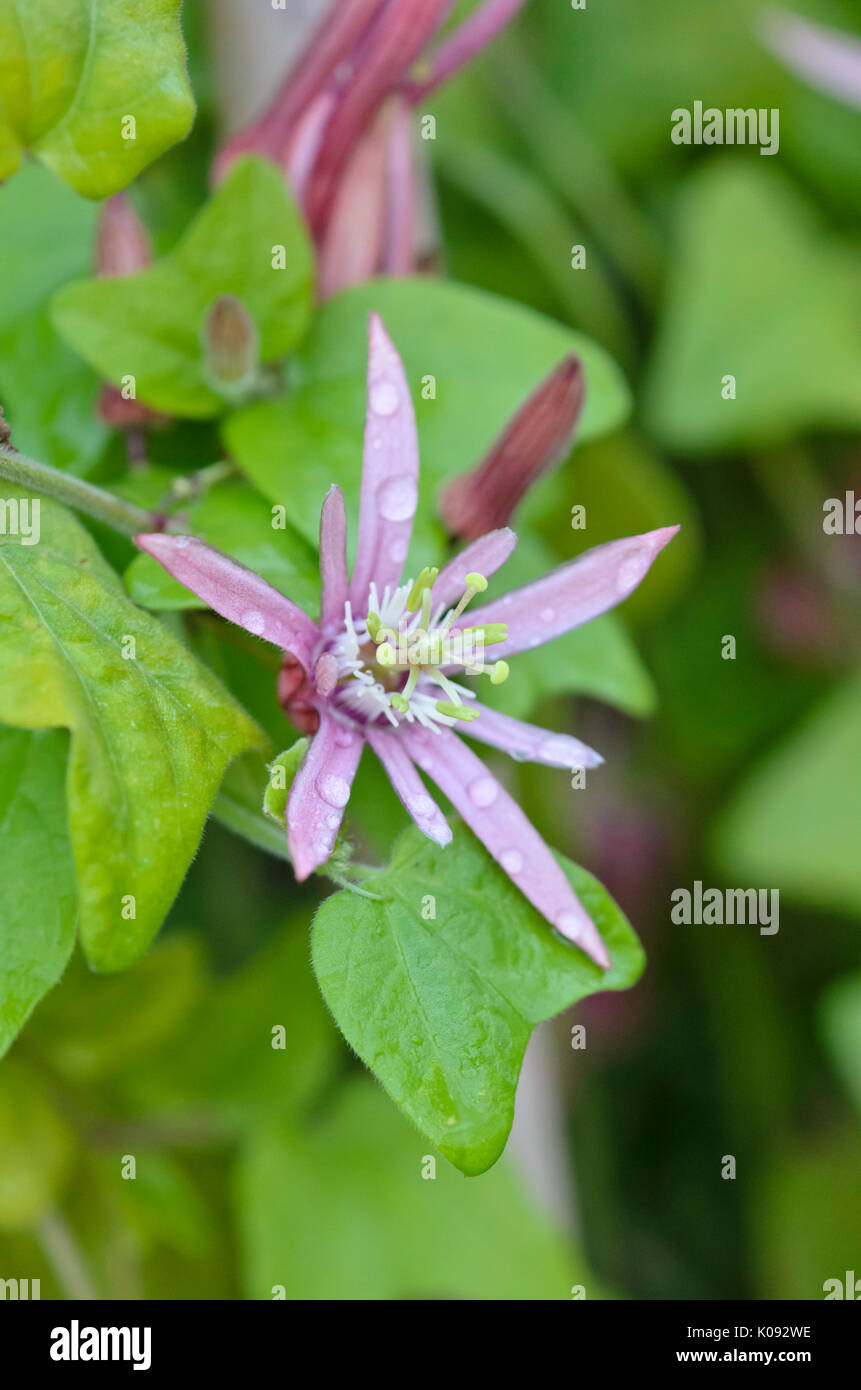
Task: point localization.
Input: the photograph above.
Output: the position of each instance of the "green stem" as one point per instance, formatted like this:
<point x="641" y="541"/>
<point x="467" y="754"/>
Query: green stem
<point x="65" y="1257"/>
<point x="74" y="492"/>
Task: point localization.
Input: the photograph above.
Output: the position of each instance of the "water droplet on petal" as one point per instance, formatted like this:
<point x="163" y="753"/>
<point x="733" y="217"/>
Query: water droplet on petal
<point x="548" y="614"/>
<point x="344" y="739"/>
<point x="333" y="822"/>
<point x="555" y="750"/>
<point x="397" y="498"/>
<point x="182" y="542"/>
<point x="252" y="621"/>
<point x="511" y="861"/>
<point x="334" y="790"/>
<point x="483" y="792"/>
<point x="384" y="398"/>
<point x="421" y="806"/>
<point x="569" y="925"/>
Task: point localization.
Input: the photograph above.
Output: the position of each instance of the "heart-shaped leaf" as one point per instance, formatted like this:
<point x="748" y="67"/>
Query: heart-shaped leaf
<point x="472" y="360"/>
<point x="248" y="241"/>
<point x="38" y="905"/>
<point x="757" y="294"/>
<point x="96" y="91"/>
<point x="152" y="730"/>
<point x="438" y="981"/>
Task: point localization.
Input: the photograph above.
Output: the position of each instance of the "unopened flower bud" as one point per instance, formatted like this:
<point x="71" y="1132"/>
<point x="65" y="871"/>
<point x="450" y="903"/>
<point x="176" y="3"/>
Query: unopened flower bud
<point x="231" y="347"/>
<point x="539" y="434"/>
<point x="123" y="245"/>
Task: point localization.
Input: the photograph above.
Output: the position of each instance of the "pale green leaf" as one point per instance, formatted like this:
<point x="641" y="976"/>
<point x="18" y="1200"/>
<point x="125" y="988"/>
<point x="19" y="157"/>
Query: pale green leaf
<point x="152" y="732"/>
<point x="76" y="73"/>
<point x="756" y="292"/>
<point x="149" y="325"/>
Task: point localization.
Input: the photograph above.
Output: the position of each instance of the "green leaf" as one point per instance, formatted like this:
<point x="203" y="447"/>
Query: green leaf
<point x="840" y="1013"/>
<point x="235" y="518"/>
<point x="163" y="1207"/>
<point x="47" y="392"/>
<point x="149" y="325"/>
<point x="806" y="1218"/>
<point x="98" y="1026"/>
<point x="151" y="733"/>
<point x="38" y="905"/>
<point x="793" y="825"/>
<point x="486" y="356"/>
<point x="282" y="771"/>
<point x="757" y="293"/>
<point x="227" y="1059"/>
<point x="442" y="1008"/>
<point x="340" y="1210"/>
<point x="73" y="75"/>
<point x="35" y="1148"/>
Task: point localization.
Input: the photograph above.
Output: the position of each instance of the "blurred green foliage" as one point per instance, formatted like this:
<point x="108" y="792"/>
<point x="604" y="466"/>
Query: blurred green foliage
<point x="258" y="1166"/>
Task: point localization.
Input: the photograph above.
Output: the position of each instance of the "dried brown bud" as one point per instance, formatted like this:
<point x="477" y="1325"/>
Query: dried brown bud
<point x="231" y="346"/>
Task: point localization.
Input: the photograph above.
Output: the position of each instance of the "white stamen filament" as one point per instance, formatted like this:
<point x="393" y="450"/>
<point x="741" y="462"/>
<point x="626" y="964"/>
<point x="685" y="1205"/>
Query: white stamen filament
<point x="417" y="642"/>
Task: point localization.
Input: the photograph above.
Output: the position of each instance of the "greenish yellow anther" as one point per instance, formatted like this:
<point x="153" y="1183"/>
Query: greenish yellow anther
<point x="464" y="712"/>
<point x="476" y="582"/>
<point x="425" y="582"/>
<point x="499" y="672"/>
<point x="491" y="633"/>
<point x="386" y="654"/>
<point x="373" y="623"/>
<point x="400" y="703"/>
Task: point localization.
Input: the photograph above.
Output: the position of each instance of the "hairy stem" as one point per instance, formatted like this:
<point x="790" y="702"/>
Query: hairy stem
<point x="84" y="497"/>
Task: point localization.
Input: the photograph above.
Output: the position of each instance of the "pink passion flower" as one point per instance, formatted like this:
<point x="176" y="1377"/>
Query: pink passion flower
<point x="381" y="667"/>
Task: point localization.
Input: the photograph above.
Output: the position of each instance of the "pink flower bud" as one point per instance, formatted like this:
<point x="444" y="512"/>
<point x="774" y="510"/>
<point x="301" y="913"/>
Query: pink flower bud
<point x="538" y="435"/>
<point x="123" y="245"/>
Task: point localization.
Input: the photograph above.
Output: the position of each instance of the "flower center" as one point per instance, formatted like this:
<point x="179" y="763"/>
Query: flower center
<point x="391" y="665"/>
